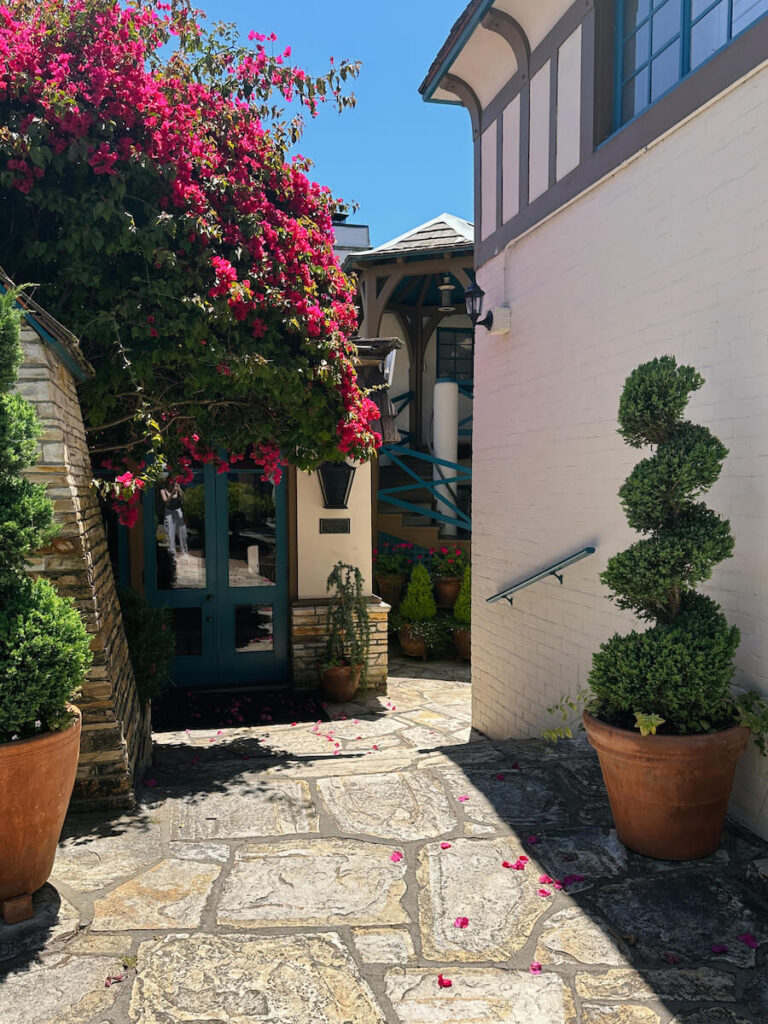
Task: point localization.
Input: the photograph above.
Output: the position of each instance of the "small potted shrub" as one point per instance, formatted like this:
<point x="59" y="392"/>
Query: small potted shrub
<point x="447" y="567"/>
<point x="419" y="631"/>
<point x="44" y="656"/>
<point x="462" y="617"/>
<point x="345" y="660"/>
<point x="662" y="717"/>
<point x="392" y="563"/>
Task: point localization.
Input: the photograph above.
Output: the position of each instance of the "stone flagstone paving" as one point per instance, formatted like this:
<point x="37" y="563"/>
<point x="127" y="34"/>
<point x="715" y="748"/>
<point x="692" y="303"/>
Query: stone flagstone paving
<point x="333" y="872"/>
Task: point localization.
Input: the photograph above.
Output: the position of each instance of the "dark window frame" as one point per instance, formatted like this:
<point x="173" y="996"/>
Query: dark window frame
<point x="454" y="332"/>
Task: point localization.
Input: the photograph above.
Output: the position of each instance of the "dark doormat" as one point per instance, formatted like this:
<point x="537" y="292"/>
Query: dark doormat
<point x="232" y="709"/>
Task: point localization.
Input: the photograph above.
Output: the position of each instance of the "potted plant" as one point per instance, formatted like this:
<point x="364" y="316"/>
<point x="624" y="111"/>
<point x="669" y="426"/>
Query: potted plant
<point x="462" y="616"/>
<point x="419" y="631"/>
<point x="392" y="563"/>
<point x="345" y="660"/>
<point x="447" y="567"/>
<point x="44" y="656"/>
<point x="667" y="729"/>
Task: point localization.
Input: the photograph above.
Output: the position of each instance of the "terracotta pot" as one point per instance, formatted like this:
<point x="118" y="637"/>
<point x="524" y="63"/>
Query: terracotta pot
<point x="462" y="639"/>
<point x="413" y="646"/>
<point x="668" y="794"/>
<point x="340" y="683"/>
<point x="36" y="780"/>
<point x="447" y="590"/>
<point x="390" y="588"/>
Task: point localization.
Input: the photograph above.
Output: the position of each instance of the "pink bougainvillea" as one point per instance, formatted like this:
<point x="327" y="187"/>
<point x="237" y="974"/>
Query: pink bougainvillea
<point x="148" y="187"/>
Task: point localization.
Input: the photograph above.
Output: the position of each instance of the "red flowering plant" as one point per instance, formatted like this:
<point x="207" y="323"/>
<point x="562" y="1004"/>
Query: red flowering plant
<point x="448" y="562"/>
<point x="393" y="559"/>
<point x="146" y="185"/>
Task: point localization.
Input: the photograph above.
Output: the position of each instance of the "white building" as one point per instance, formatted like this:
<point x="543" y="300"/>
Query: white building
<point x="622" y="214"/>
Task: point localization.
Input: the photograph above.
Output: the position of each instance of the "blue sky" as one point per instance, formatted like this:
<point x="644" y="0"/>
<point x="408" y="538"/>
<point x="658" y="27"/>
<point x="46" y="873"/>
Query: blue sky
<point x="404" y="161"/>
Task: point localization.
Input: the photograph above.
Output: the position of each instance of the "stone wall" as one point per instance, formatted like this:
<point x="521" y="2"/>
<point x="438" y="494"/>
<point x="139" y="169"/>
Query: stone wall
<point x="308" y="636"/>
<point x="116" y="737"/>
<point x="668" y="255"/>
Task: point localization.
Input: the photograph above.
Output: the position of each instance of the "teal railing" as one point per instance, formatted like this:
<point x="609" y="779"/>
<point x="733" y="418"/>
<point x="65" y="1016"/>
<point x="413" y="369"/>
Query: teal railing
<point x="444" y="490"/>
<point x="552" y="570"/>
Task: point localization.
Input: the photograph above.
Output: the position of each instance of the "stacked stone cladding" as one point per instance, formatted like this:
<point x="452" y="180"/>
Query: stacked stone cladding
<point x="309" y="633"/>
<point x="116" y="737"/>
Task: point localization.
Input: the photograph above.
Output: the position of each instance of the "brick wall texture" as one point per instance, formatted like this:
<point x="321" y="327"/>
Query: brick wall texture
<point x="308" y="636"/>
<point x="116" y="738"/>
<point x="669" y="254"/>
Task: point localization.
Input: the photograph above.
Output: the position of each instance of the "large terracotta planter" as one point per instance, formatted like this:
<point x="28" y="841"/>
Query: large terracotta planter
<point x="390" y="588"/>
<point x="36" y="780"/>
<point x="447" y="590"/>
<point x="413" y="646"/>
<point x="668" y="794"/>
<point x="340" y="683"/>
<point x="462" y="639"/>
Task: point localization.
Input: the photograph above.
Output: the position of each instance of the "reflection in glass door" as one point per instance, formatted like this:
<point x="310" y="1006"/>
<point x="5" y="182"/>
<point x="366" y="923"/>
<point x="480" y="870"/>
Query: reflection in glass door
<point x="215" y="555"/>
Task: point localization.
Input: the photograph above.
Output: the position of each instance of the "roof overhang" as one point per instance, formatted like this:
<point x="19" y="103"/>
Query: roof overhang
<point x="450" y="50"/>
<point x="49" y="330"/>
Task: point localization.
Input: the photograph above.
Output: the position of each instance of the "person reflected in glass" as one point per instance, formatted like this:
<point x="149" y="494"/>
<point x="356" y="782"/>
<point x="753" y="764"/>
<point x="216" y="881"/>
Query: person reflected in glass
<point x="172" y="497"/>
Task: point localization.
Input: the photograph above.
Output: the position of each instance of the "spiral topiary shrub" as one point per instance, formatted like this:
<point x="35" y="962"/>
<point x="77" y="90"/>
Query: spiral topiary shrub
<point x="44" y="647"/>
<point x="676" y="675"/>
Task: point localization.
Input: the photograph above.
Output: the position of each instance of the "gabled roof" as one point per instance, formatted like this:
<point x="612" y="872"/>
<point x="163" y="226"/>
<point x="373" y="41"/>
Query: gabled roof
<point x="445" y="233"/>
<point x="461" y="31"/>
<point x="49" y="330"/>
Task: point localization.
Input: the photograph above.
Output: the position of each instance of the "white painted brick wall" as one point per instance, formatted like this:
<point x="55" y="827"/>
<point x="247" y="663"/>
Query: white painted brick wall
<point x="669" y="255"/>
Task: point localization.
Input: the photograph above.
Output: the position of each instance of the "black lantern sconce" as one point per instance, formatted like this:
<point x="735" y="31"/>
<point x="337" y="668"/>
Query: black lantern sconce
<point x="474" y="297"/>
<point x="335" y="483"/>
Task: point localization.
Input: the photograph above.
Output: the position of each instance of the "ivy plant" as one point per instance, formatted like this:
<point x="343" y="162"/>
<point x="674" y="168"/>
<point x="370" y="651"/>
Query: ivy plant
<point x="347" y="623"/>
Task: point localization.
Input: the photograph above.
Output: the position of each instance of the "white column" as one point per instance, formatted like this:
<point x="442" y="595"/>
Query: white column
<point x="446" y="442"/>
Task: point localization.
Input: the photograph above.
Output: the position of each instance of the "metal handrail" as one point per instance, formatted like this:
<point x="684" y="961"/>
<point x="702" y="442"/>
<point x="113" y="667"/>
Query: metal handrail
<point x="552" y="570"/>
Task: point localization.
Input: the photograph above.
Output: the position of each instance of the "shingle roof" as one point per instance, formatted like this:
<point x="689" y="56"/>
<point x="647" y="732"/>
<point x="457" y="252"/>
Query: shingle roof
<point x="445" y="232"/>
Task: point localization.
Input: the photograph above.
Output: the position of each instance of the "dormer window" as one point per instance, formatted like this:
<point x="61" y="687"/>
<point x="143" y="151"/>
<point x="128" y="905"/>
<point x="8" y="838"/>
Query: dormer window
<point x="661" y="41"/>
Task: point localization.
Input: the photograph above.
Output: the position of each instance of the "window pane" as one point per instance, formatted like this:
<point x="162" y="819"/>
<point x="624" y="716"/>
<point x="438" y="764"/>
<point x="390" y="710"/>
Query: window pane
<point x="636" y="49"/>
<point x="709" y="34"/>
<point x="188" y="626"/>
<point x="666" y="23"/>
<point x="747" y="11"/>
<point x="251" y="529"/>
<point x="635" y="96"/>
<point x="455" y="353"/>
<point x="253" y="628"/>
<point x="635" y="11"/>
<point x="180" y="535"/>
<point x="665" y="70"/>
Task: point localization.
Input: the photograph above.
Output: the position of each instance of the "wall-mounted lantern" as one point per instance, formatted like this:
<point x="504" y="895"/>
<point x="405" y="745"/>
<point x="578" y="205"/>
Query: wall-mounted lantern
<point x="335" y="483"/>
<point x="497" y="320"/>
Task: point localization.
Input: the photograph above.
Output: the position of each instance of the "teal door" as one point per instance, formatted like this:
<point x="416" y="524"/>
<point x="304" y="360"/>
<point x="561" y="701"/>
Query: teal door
<point x="215" y="555"/>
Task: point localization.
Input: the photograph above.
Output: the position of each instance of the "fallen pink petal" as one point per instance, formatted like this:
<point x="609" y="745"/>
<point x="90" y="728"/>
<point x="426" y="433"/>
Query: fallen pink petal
<point x="545" y="879"/>
<point x="445" y="846"/>
<point x="544" y="892"/>
<point x="461" y="922"/>
<point x="501" y="776"/>
<point x="535" y="967"/>
<point x="571" y="879"/>
<point x="396" y="857"/>
<point x="443" y="982"/>
<point x="748" y="940"/>
<point x="719" y="949"/>
<point x="463" y="799"/>
<point x="671" y="958"/>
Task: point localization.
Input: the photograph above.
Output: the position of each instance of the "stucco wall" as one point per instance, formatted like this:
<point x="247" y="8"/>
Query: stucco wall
<point x="667" y="255"/>
<point x="318" y="553"/>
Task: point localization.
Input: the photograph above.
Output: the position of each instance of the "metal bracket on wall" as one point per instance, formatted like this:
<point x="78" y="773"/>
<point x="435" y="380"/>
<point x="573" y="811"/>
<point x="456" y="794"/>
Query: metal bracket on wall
<point x="551" y="570"/>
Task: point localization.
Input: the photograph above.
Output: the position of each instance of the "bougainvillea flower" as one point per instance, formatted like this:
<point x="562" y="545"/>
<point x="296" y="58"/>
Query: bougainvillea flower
<point x="557" y="884"/>
<point x="445" y="846"/>
<point x="748" y="940"/>
<point x="544" y="892"/>
<point x="545" y="879"/>
<point x="719" y="949"/>
<point x="461" y="922"/>
<point x="443" y="982"/>
<point x="523" y="858"/>
<point x="396" y="857"/>
<point x="501" y="776"/>
<point x="535" y="967"/>
<point x="463" y="799"/>
<point x="571" y="879"/>
<point x="532" y="839"/>
<point x="516" y="766"/>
